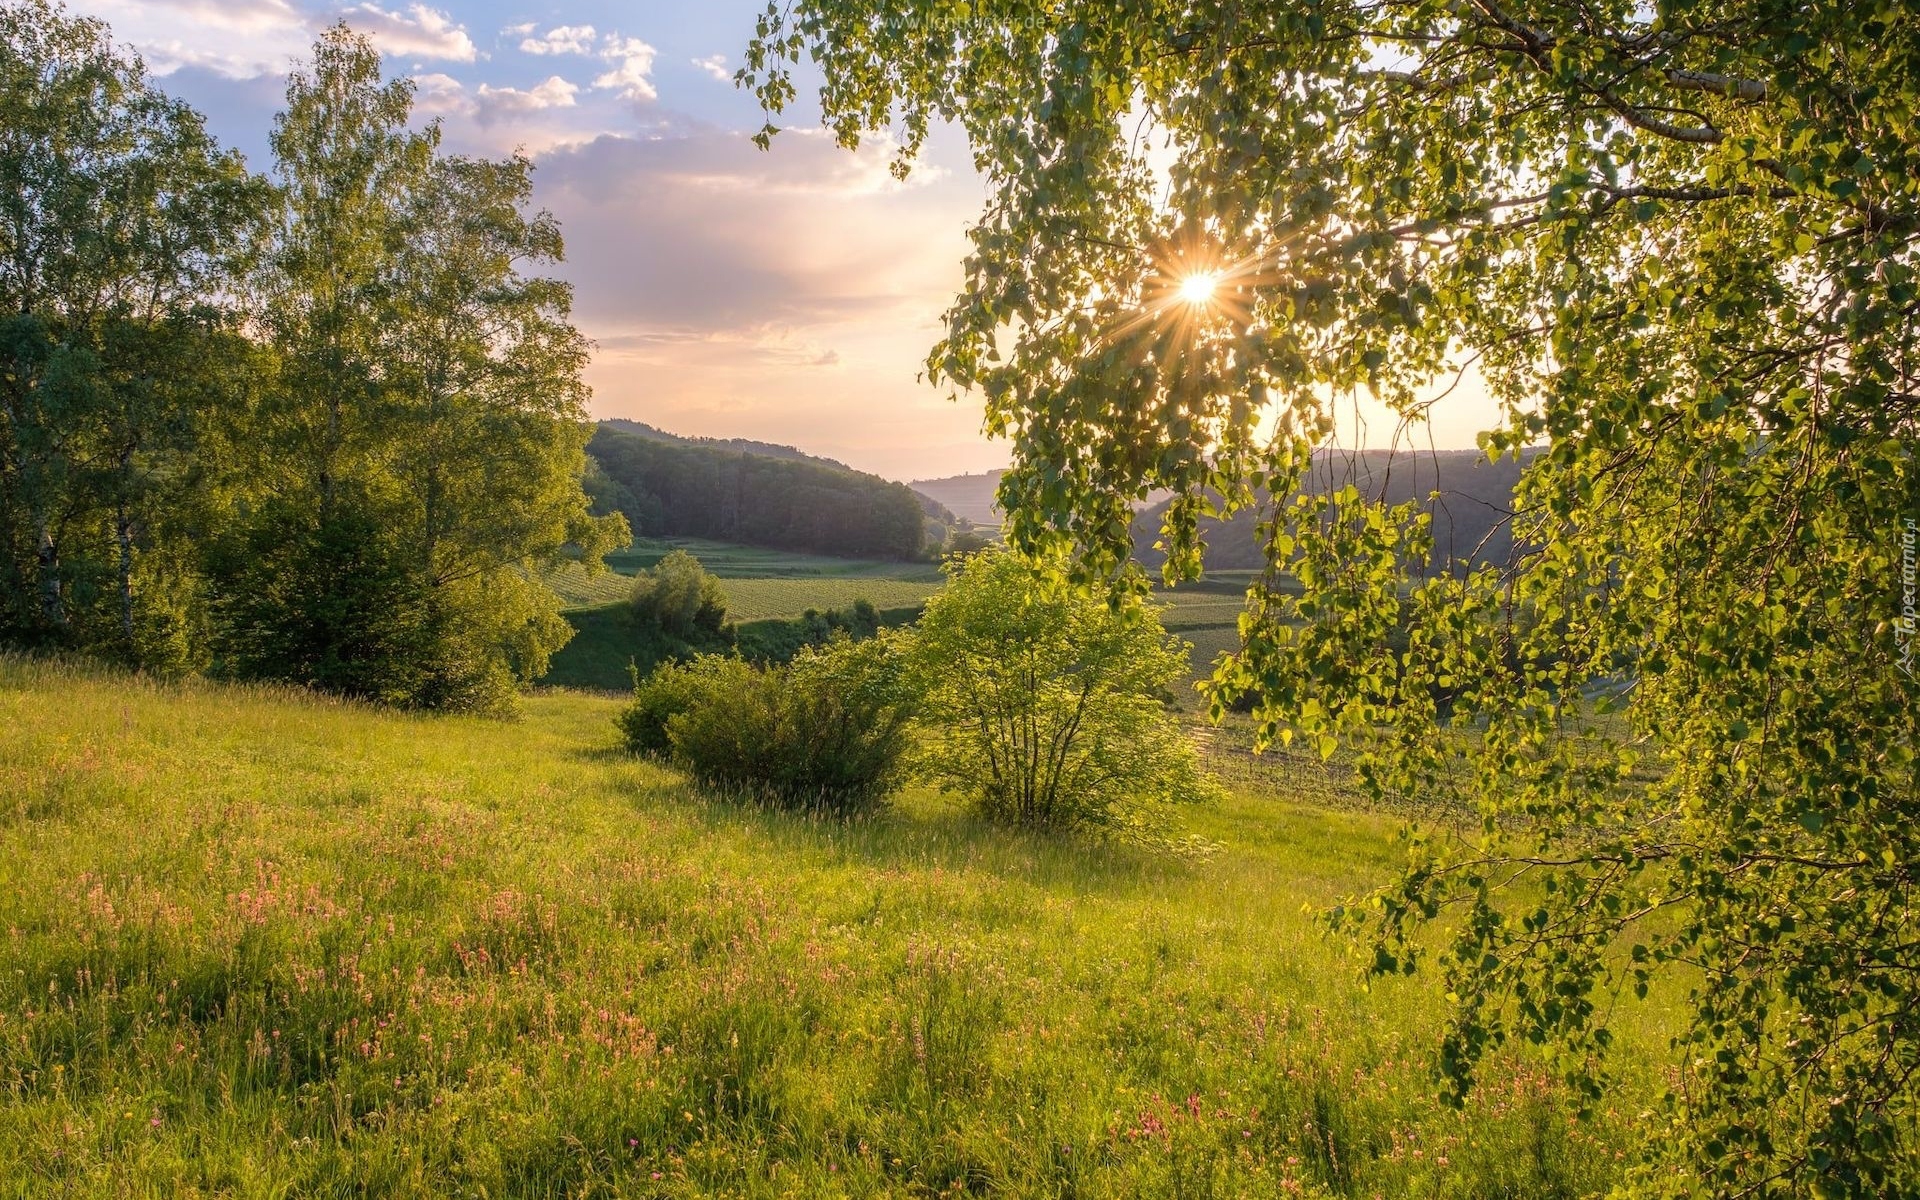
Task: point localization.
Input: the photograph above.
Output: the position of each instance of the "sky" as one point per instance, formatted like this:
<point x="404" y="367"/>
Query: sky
<point x="789" y="295"/>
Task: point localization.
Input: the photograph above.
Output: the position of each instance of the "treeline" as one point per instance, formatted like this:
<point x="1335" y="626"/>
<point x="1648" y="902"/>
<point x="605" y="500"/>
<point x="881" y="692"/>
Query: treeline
<point x="744" y="445"/>
<point x="1471" y="515"/>
<point x="668" y="489"/>
<point x="304" y="426"/>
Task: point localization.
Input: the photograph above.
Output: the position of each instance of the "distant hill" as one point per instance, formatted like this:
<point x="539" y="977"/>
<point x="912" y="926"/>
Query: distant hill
<point x="969" y="496"/>
<point x="1468" y="518"/>
<point x="742" y="445"/>
<point x="669" y="486"/>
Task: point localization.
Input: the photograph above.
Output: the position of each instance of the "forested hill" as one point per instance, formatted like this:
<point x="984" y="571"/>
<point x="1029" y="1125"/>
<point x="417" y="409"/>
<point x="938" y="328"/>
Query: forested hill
<point x="673" y="487"/>
<point x="969" y="496"/>
<point x="742" y="445"/>
<point x="1469" y="518"/>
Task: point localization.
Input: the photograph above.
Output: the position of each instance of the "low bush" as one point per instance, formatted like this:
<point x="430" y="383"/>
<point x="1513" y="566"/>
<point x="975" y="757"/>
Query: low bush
<point x="1048" y="709"/>
<point x="827" y="731"/>
<point x="670" y="689"/>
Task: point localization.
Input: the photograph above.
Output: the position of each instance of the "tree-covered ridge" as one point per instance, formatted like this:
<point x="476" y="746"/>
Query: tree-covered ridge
<point x="669" y="489"/>
<point x="744" y="445"/>
<point x="1468" y="500"/>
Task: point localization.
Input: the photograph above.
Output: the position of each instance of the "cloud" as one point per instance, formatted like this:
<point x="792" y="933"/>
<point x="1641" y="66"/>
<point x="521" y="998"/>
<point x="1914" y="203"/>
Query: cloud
<point x="633" y="61"/>
<point x="493" y="120"/>
<point x="419" y="32"/>
<point x="739" y="239"/>
<point x="438" y="95"/>
<point x="243" y="39"/>
<point x="236" y="39"/>
<point x="716" y="66"/>
<point x="517" y="30"/>
<point x="561" y="39"/>
<point x="552" y="92"/>
<point x="789" y="295"/>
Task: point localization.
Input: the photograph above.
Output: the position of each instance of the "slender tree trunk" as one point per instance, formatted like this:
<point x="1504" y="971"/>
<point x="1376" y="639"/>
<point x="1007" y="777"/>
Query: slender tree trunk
<point x="123" y="534"/>
<point x="53" y="609"/>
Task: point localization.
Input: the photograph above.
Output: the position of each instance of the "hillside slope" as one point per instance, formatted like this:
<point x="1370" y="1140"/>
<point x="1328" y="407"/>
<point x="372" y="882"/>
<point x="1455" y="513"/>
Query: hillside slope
<point x="969" y="496"/>
<point x="260" y="943"/>
<point x="674" y="488"/>
<point x="1469" y="517"/>
<point x="742" y="445"/>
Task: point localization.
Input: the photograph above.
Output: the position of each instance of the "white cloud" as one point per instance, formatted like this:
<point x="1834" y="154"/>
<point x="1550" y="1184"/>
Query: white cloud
<point x="552" y="92"/>
<point x="633" y="61"/>
<point x="716" y="66"/>
<point x="419" y="31"/>
<point x="562" y="39"/>
<point x="517" y="30"/>
<point x="438" y="95"/>
<point x="237" y="39"/>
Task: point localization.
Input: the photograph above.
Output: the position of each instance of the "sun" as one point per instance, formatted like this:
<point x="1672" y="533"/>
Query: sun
<point x="1198" y="288"/>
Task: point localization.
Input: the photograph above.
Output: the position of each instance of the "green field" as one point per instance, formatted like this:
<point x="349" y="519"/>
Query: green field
<point x="261" y="944"/>
<point x="729" y="561"/>
<point x="765" y="599"/>
<point x="769" y="585"/>
<point x="761" y="585"/>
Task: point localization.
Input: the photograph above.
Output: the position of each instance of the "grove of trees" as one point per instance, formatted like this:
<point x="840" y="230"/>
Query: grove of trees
<point x="1680" y="244"/>
<point x="311" y="426"/>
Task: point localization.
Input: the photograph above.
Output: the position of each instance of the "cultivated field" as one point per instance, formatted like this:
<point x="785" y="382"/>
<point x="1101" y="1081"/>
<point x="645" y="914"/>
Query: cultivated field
<point x="260" y="943"/>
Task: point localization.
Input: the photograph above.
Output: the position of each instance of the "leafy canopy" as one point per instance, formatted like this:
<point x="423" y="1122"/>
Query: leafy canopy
<point x="427" y="423"/>
<point x="1677" y="244"/>
<point x="681" y="597"/>
<point x="1046" y="707"/>
<point x="124" y="230"/>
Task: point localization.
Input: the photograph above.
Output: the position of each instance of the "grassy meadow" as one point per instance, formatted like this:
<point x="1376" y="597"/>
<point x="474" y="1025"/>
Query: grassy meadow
<point x="260" y="943"/>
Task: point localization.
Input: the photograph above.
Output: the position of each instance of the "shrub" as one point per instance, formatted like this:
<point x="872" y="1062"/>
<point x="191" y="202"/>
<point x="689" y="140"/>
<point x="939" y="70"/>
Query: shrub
<point x="670" y="689"/>
<point x="1046" y="707"/>
<point x="827" y="731"/>
<point x="337" y="602"/>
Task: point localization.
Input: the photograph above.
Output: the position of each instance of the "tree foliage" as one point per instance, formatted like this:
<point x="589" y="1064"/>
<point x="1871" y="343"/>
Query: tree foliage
<point x="680" y="596"/>
<point x="1047" y="708"/>
<point x="427" y="382"/>
<point x="313" y="428"/>
<point x="121" y="224"/>
<point x="1678" y="245"/>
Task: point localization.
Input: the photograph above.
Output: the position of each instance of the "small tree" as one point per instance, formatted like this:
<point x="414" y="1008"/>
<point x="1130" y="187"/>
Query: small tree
<point x="1047" y="707"/>
<point x="680" y="596"/>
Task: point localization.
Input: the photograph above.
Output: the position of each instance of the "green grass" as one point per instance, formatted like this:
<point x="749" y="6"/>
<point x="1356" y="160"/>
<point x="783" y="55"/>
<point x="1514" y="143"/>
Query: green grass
<point x="766" y="599"/>
<point x="259" y="943"/>
<point x="730" y="561"/>
<point x="761" y="585"/>
<point x="768" y="583"/>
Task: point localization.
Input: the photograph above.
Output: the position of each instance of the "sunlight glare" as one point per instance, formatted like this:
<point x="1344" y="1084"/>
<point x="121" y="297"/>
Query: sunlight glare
<point x="1198" y="288"/>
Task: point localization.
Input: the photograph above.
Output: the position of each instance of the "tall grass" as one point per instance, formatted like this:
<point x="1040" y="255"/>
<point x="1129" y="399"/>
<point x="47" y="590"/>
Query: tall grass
<point x="259" y="943"/>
